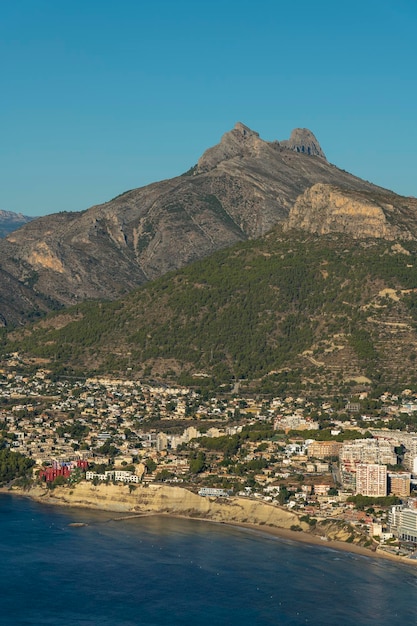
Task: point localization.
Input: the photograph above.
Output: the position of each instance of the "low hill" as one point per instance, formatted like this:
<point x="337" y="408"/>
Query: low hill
<point x="281" y="312"/>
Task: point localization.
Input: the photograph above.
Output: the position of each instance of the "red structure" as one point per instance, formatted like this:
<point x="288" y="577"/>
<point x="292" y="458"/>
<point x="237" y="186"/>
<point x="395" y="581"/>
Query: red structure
<point x="50" y="473"/>
<point x="61" y="469"/>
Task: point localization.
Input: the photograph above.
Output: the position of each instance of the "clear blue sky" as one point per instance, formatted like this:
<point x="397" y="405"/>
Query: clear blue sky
<point x="101" y="96"/>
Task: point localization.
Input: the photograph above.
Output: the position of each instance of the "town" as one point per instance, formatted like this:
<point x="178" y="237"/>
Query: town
<point x="353" y="460"/>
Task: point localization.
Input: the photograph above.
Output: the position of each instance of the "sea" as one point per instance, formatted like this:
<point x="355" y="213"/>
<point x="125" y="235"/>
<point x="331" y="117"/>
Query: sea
<point x="160" y="571"/>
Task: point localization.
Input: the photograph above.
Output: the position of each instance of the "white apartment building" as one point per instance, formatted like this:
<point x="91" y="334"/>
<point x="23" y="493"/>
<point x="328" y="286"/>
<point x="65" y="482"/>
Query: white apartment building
<point x="117" y="475"/>
<point x="367" y="451"/>
<point x="403" y="523"/>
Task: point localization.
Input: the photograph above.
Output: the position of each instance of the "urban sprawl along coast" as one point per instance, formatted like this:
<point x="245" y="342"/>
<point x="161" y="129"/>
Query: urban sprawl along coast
<point x="329" y="462"/>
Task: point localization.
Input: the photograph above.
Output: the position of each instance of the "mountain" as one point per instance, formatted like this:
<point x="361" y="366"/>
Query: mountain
<point x="285" y="312"/>
<point x="239" y="190"/>
<point x="10" y="221"/>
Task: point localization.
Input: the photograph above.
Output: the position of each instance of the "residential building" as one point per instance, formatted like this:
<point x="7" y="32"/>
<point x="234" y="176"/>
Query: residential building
<point x="218" y="493"/>
<point x="368" y="451"/>
<point x="403" y="523"/>
<point x="371" y="479"/>
<point x="399" y="484"/>
<point x="324" y="449"/>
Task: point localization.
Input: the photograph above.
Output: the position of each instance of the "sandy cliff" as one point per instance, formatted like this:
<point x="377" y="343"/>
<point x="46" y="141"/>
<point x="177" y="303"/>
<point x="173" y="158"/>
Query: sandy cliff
<point x="160" y="499"/>
<point x="176" y="501"/>
<point x="156" y="499"/>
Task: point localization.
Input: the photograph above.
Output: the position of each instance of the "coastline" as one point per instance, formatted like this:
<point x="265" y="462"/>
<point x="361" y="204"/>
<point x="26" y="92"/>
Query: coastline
<point x="145" y="504"/>
<point x="307" y="538"/>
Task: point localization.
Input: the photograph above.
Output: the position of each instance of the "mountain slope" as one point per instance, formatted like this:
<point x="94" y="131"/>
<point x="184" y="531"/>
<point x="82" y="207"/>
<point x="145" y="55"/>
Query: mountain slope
<point x="288" y="308"/>
<point x="240" y="189"/>
<point x="10" y="221"/>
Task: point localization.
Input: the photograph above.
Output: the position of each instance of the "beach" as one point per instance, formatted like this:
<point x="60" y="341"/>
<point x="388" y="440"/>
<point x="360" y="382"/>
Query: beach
<point x="84" y="566"/>
<point x="177" y="502"/>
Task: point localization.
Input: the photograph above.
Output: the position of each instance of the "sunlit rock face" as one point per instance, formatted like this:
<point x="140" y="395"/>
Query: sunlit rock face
<point x="324" y="209"/>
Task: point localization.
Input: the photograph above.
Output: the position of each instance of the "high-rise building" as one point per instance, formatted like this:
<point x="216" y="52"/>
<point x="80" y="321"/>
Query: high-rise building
<point x="403" y="523"/>
<point x="161" y="442"/>
<point x="410" y="453"/>
<point x="399" y="484"/>
<point x="371" y="479"/>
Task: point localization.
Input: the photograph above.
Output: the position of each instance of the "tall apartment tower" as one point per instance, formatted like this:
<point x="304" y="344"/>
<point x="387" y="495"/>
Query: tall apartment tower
<point x="399" y="484"/>
<point x="371" y="479"/>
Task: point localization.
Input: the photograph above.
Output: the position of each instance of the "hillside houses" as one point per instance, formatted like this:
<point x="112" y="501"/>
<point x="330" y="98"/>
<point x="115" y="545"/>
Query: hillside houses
<point x="288" y="451"/>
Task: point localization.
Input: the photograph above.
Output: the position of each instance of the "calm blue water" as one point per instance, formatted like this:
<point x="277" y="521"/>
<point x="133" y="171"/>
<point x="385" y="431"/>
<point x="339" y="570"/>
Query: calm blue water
<point x="160" y="571"/>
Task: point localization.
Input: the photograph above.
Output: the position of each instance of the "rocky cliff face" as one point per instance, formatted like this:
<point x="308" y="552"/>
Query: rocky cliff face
<point x="157" y="499"/>
<point x="324" y="209"/>
<point x="303" y="140"/>
<point x="240" y="188"/>
<point x="160" y="499"/>
<point x="243" y="142"/>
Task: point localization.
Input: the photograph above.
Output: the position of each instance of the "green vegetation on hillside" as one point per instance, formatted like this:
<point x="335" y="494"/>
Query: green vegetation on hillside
<point x="13" y="464"/>
<point x="362" y="502"/>
<point x="282" y="309"/>
<point x="326" y="435"/>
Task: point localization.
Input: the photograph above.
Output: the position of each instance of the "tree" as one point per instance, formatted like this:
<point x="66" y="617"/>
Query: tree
<point x="283" y="495"/>
<point x="108" y="448"/>
<point x="58" y="482"/>
<point x="13" y="464"/>
<point x="198" y="463"/>
<point x="150" y="465"/>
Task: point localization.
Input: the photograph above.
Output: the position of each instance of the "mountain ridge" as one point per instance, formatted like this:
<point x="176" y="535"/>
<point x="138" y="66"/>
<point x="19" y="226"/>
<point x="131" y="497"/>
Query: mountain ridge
<point x="240" y="189"/>
<point x="10" y="221"/>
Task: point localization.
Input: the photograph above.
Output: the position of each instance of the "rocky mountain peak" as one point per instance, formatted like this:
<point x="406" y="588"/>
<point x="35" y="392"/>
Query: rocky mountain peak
<point x="239" y="142"/>
<point x="245" y="131"/>
<point x="242" y="141"/>
<point x="303" y="140"/>
<point x="241" y="189"/>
